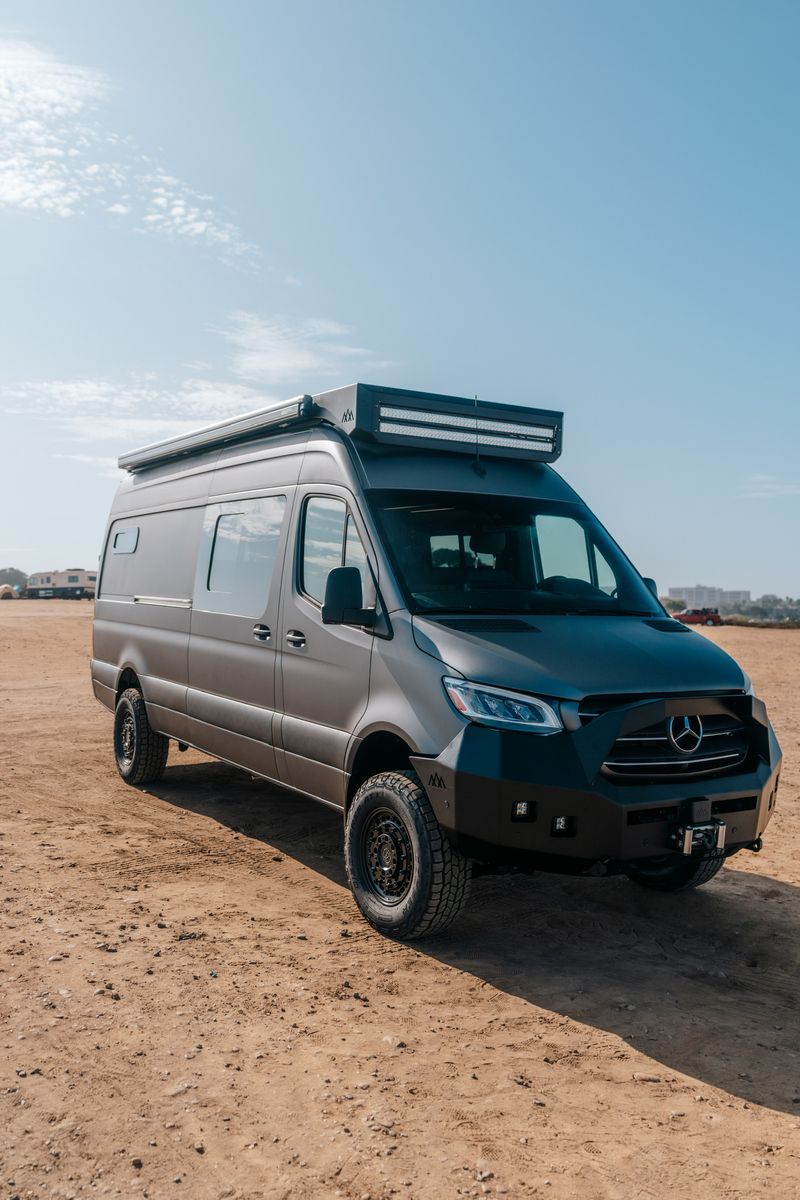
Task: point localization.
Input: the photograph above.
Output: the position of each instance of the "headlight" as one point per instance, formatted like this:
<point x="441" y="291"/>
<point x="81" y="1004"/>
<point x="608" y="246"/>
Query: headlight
<point x="505" y="710"/>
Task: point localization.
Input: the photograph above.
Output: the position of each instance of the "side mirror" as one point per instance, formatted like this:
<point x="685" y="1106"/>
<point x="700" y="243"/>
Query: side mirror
<point x="344" y="599"/>
<point x="651" y="585"/>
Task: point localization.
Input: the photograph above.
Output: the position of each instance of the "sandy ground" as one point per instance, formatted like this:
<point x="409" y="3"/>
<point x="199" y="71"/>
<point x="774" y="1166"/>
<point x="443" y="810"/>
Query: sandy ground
<point x="191" y="1006"/>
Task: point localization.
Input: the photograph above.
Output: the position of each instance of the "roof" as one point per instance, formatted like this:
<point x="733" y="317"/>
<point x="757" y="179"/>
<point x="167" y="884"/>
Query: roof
<point x="389" y="416"/>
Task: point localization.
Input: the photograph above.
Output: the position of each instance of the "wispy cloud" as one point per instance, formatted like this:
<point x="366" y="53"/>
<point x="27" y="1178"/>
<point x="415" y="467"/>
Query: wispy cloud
<point x="268" y="359"/>
<point x="57" y="157"/>
<point x="137" y="409"/>
<point x="764" y="487"/>
<point x="274" y="350"/>
<point x="101" y="465"/>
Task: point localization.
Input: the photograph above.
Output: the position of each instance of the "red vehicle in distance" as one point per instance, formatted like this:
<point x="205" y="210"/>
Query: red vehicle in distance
<point x="699" y="616"/>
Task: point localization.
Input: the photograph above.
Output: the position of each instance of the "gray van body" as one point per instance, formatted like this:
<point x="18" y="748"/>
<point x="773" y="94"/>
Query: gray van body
<point x="319" y="708"/>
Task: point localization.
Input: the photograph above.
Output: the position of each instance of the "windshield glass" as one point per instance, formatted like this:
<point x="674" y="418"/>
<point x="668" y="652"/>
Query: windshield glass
<point x="511" y="554"/>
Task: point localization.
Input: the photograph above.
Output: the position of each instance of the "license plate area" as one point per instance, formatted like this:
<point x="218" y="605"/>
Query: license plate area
<point x="707" y="835"/>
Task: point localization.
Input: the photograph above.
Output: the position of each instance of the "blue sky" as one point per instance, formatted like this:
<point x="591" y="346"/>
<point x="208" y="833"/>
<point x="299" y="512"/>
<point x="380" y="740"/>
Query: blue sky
<point x="593" y="207"/>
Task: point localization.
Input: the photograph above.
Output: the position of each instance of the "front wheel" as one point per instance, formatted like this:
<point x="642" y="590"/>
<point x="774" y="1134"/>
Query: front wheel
<point x="407" y="880"/>
<point x="677" y="875"/>
<point x="140" y="752"/>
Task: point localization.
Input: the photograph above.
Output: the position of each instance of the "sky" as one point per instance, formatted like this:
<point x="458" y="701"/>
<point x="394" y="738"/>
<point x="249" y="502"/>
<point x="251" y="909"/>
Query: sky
<point x="589" y="207"/>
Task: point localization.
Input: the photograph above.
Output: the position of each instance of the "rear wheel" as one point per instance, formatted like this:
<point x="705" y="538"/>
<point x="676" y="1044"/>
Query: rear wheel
<point x="711" y="622"/>
<point x="140" y="752"/>
<point x="677" y="875"/>
<point x="407" y="880"/>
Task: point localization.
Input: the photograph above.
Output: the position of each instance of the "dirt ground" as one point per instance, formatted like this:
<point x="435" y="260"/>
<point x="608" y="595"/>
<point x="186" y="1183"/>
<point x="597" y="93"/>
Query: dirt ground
<point x="190" y="1004"/>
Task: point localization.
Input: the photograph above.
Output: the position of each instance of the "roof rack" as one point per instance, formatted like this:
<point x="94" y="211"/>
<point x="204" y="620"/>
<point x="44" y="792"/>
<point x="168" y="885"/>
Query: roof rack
<point x="392" y="416"/>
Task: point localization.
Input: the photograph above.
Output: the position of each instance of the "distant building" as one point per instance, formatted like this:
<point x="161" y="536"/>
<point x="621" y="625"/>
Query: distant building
<point x="709" y="597"/>
<point x="73" y="584"/>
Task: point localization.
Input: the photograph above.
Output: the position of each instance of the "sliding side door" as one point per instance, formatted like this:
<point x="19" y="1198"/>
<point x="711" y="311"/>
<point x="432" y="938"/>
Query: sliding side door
<point x="234" y="630"/>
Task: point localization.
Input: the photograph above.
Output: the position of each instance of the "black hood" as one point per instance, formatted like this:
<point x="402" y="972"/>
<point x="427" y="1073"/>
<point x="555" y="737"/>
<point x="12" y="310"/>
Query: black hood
<point x="570" y="657"/>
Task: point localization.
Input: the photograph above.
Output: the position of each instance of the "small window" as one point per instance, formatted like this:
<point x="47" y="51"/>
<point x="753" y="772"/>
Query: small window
<point x="72" y="579"/>
<point x="92" y="578"/>
<point x="125" y="540"/>
<point x="330" y="539"/>
<point x="606" y="579"/>
<point x="243" y="557"/>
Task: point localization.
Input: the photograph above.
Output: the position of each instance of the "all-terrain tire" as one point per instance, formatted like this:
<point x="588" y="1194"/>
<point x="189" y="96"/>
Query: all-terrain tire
<point x="678" y="875"/>
<point x="407" y="879"/>
<point x="140" y="752"/>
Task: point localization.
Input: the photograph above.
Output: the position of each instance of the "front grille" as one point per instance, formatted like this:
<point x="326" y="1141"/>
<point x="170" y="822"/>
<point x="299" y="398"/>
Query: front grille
<point x="648" y="754"/>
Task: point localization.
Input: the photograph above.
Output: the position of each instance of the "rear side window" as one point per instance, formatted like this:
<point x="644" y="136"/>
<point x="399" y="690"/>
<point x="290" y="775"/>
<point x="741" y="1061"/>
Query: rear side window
<point x="243" y="557"/>
<point x="330" y="539"/>
<point x="125" y="540"/>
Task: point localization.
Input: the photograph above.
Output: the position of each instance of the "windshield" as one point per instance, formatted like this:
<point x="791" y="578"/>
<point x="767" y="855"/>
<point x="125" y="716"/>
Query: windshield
<point x="489" y="554"/>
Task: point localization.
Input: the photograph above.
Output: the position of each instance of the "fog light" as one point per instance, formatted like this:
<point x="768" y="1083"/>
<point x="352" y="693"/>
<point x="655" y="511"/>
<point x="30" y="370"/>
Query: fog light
<point x="523" y="810"/>
<point x="563" y="827"/>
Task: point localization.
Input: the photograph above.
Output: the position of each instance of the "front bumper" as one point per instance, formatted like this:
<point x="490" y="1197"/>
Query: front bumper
<point x="475" y="785"/>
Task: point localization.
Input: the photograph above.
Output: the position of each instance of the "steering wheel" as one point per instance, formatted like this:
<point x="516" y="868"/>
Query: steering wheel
<point x="565" y="585"/>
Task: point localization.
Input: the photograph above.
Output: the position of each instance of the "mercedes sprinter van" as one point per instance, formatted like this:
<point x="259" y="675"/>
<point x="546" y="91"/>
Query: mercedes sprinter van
<point x="391" y="602"/>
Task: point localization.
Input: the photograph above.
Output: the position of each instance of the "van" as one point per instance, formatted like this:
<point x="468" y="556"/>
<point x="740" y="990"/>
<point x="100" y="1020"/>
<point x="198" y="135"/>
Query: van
<point x="391" y="602"/>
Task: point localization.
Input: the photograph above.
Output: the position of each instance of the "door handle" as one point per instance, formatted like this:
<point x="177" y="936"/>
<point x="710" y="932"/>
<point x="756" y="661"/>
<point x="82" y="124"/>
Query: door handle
<point x="262" y="633"/>
<point x="295" y="638"/>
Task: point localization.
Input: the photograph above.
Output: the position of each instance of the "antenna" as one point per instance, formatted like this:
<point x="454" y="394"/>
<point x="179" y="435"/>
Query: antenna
<point x="477" y="465"/>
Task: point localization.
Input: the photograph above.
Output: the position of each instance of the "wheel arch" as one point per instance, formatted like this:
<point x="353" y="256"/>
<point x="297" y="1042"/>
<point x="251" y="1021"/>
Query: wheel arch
<point x="127" y="679"/>
<point x="380" y="750"/>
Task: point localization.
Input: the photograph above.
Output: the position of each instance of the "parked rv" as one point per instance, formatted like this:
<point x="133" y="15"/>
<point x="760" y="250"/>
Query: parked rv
<point x="390" y="601"/>
<point x="73" y="584"/>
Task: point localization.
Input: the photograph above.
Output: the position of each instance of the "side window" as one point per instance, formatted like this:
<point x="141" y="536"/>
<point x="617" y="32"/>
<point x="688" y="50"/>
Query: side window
<point x="606" y="579"/>
<point x="125" y="540"/>
<point x="243" y="554"/>
<point x="323" y="543"/>
<point x="562" y="548"/>
<point x="330" y="539"/>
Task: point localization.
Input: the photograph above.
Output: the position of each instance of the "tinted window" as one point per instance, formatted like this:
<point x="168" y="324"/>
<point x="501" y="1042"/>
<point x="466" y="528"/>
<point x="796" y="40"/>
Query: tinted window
<point x="330" y="539"/>
<point x="243" y="554"/>
<point x="125" y="540"/>
<point x="323" y="543"/>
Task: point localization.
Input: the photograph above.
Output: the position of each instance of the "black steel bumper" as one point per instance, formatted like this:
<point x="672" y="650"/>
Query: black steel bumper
<point x="476" y="784"/>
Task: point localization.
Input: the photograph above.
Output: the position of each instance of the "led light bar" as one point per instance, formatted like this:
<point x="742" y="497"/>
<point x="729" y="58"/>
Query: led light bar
<point x="223" y="433"/>
<point x="447" y="420"/>
<point x="477" y="432"/>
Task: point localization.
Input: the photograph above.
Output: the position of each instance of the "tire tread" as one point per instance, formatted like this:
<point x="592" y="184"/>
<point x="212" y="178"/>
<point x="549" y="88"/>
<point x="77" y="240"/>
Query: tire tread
<point x="451" y="872"/>
<point x="152" y="748"/>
